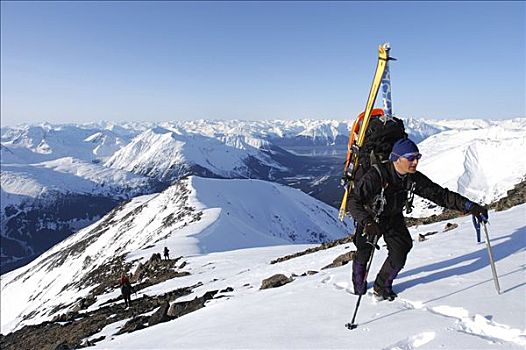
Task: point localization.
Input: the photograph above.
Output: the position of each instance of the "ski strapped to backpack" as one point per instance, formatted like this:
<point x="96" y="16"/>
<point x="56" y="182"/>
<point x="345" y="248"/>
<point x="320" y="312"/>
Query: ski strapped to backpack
<point x="359" y="128"/>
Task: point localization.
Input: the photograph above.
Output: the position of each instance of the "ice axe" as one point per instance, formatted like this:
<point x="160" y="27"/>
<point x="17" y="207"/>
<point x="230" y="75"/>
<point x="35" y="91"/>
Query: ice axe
<point x="476" y="222"/>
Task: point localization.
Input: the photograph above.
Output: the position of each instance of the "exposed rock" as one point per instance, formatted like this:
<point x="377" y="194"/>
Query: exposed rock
<point x="68" y="316"/>
<point x="226" y="290"/>
<point x="322" y="246"/>
<point x="445" y="215"/>
<point x="185" y="307"/>
<point x="515" y="196"/>
<point x="154" y="271"/>
<point x="134" y="324"/>
<point x="449" y="226"/>
<point x="308" y="273"/>
<point x="84" y="303"/>
<point x="341" y="260"/>
<point x="422" y="237"/>
<point x="277" y="280"/>
<point x="159" y="315"/>
<point x="62" y="346"/>
<point x="155" y="258"/>
<point x="48" y="335"/>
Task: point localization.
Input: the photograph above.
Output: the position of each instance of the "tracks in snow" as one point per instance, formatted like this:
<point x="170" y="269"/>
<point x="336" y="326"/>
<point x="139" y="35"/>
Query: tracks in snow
<point x="476" y="325"/>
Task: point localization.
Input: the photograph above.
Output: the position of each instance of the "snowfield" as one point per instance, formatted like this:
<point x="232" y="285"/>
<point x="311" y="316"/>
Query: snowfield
<point x="447" y="298"/>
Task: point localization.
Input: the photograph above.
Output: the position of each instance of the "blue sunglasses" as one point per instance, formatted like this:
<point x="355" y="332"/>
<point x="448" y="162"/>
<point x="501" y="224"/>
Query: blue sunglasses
<point x="412" y="156"/>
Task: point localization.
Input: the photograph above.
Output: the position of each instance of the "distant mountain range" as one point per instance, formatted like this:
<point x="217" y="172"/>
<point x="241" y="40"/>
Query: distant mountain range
<point x="57" y="179"/>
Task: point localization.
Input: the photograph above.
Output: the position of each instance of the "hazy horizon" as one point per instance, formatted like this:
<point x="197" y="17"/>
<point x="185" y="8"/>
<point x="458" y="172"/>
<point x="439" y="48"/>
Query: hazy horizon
<point x="78" y="62"/>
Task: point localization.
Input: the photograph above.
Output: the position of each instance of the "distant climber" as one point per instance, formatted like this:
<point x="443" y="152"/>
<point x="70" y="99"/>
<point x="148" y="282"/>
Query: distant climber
<point x="126" y="289"/>
<point x="166" y="253"/>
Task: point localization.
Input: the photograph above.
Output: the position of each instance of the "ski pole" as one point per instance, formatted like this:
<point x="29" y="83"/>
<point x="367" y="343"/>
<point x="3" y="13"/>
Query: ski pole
<point x="492" y="262"/>
<point x="353" y="325"/>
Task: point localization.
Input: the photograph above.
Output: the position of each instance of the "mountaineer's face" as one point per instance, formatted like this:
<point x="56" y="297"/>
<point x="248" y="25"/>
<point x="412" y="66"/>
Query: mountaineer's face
<point x="407" y="163"/>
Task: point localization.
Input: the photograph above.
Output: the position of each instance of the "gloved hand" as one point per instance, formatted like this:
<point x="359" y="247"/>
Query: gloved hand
<point x="372" y="230"/>
<point x="480" y="212"/>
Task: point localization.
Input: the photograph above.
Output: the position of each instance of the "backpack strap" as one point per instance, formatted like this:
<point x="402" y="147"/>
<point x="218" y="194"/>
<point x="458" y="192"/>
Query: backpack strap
<point x="381" y="173"/>
<point x="410" y="188"/>
<point x="379" y="201"/>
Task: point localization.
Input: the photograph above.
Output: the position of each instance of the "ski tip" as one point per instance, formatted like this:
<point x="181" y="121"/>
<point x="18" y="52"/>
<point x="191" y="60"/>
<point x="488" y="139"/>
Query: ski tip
<point x="351" y="326"/>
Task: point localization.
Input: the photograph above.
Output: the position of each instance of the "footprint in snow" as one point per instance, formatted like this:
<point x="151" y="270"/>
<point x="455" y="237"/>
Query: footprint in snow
<point x="481" y="326"/>
<point x="341" y="285"/>
<point x="326" y="279"/>
<point x="413" y="342"/>
<point x="412" y="305"/>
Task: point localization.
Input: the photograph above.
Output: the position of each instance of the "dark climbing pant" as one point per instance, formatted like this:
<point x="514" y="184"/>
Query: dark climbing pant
<point x="126" y="294"/>
<point x="399" y="243"/>
<point x="358" y="277"/>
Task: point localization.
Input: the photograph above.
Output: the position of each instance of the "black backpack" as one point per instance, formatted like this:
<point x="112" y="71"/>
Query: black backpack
<point x="382" y="133"/>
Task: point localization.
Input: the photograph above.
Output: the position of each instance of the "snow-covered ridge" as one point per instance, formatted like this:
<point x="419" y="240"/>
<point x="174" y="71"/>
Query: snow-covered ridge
<point x="168" y="154"/>
<point x="194" y="216"/>
<point x="67" y="175"/>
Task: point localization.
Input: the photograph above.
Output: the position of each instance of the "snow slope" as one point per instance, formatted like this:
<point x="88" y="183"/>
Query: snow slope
<point x="482" y="163"/>
<point x="194" y="216"/>
<point x="447" y="299"/>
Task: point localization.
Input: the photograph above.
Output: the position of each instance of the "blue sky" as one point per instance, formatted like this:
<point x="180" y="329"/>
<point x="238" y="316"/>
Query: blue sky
<point x="90" y="61"/>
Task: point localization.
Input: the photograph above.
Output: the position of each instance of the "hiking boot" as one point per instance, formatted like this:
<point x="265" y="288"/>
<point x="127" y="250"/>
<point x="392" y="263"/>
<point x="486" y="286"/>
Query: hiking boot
<point x="383" y="285"/>
<point x="358" y="275"/>
<point x="384" y="294"/>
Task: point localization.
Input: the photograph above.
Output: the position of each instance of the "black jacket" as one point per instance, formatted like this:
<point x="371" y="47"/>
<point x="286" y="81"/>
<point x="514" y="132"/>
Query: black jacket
<point x="396" y="190"/>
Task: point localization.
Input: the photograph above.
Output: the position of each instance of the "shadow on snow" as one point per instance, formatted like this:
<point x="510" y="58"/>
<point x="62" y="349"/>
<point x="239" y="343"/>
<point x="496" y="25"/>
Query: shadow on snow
<point x="512" y="244"/>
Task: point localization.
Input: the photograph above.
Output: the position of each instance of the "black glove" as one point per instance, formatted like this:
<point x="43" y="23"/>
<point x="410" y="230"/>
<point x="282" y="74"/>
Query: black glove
<point x="372" y="230"/>
<point x="479" y="212"/>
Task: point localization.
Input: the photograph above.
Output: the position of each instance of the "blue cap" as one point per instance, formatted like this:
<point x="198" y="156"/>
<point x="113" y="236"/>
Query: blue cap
<point x="401" y="147"/>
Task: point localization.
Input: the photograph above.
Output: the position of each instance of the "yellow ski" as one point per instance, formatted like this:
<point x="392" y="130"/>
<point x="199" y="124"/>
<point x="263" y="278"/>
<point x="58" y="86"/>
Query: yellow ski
<point x="352" y="156"/>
